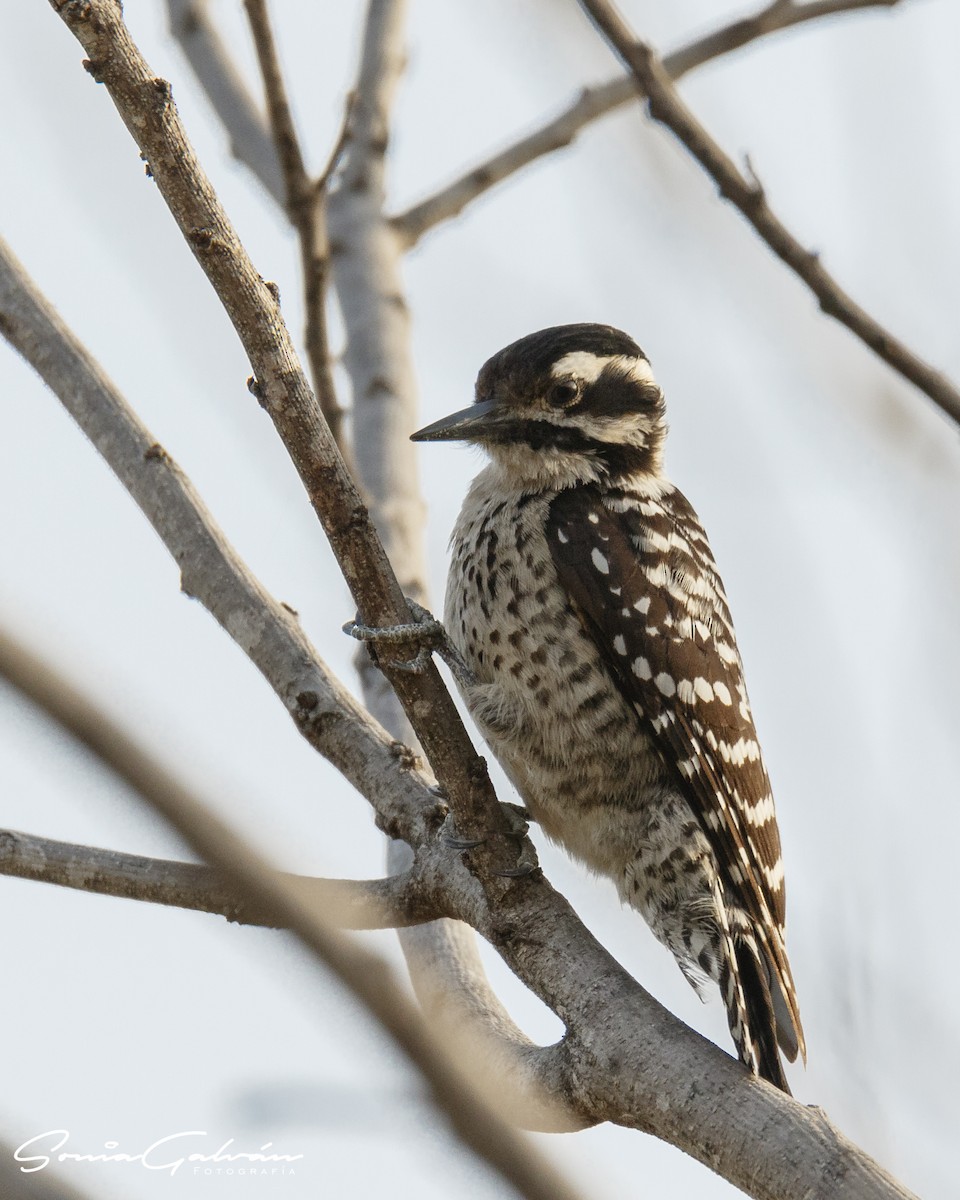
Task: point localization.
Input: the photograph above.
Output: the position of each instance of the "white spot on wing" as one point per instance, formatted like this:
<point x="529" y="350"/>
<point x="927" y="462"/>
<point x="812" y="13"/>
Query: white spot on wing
<point x="619" y="644"/>
<point x="562" y="537"/>
<point x="600" y="561"/>
<point x="665" y="684"/>
<point x="722" y="693"/>
<point x="641" y="668"/>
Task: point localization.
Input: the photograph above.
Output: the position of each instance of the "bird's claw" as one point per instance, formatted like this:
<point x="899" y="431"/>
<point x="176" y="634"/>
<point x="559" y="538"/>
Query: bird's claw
<point x="424" y="632"/>
<point x="518" y="818"/>
<point x="453" y="843"/>
<point x="518" y="821"/>
<point x="518" y="872"/>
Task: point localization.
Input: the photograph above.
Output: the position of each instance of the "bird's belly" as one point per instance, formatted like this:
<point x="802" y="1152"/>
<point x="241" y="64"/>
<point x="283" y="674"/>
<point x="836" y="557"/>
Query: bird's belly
<point x="575" y="749"/>
<point x="571" y="744"/>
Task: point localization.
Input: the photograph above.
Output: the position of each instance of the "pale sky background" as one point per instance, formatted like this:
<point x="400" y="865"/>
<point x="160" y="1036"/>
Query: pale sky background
<point x="829" y="487"/>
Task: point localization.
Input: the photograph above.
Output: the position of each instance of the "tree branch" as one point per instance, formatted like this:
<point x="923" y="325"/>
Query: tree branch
<point x="595" y="102"/>
<point x="146" y="107"/>
<point x="370" y="292"/>
<point x="443" y="960"/>
<point x="250" y="139"/>
<point x="746" y="194"/>
<point x="365" y="975"/>
<point x="211" y="571"/>
<point x="383" y="770"/>
<point x="345" y="903"/>
<point x="625" y="1058"/>
<point x="305" y="202"/>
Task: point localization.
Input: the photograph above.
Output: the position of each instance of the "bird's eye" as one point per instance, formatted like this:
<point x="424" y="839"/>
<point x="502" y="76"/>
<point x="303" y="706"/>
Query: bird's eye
<point x="564" y="393"/>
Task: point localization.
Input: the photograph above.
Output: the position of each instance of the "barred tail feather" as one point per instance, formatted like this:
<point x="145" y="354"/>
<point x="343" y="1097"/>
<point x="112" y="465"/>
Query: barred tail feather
<point x="782" y="993"/>
<point x="752" y="1012"/>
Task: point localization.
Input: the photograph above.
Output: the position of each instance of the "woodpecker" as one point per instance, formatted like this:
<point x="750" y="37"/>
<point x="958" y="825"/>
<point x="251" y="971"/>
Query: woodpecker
<point x="603" y="670"/>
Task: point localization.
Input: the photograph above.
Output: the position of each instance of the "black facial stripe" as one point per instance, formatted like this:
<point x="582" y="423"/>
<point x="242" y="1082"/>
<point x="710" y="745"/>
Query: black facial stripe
<point x="616" y="458"/>
<point x="616" y="394"/>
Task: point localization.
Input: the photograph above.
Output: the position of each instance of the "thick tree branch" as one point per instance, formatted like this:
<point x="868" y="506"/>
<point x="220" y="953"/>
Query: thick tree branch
<point x="625" y="1059"/>
<point x="745" y="193"/>
<point x="146" y="106"/>
<point x="381" y="769"/>
<point x="595" y="102"/>
<point x="526" y="1075"/>
<point x="365" y="975"/>
<point x="305" y="202"/>
<point x="366" y="270"/>
<point x="210" y="570"/>
<point x="345" y="903"/>
<point x="250" y="138"/>
<point x="442" y="958"/>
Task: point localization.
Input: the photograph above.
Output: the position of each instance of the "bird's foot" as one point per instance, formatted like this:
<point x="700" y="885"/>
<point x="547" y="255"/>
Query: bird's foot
<point x="425" y="633"/>
<point x="518" y="819"/>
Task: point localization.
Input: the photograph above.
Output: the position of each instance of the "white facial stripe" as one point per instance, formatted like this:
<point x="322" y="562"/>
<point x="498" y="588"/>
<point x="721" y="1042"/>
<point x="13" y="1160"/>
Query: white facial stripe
<point x="582" y="364"/>
<point x="617" y="430"/>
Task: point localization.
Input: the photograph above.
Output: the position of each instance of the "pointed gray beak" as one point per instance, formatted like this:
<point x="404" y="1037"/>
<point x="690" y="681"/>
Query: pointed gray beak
<point x="467" y="425"/>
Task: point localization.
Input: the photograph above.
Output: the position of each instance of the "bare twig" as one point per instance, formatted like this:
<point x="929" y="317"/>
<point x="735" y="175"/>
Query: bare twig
<point x="594" y="102"/>
<point x="777" y="16"/>
<point x="365" y="975"/>
<point x="305" y="202"/>
<point x="296" y="181"/>
<point x="146" y="106"/>
<point x="746" y="194"/>
<point x="345" y="903"/>
<point x="250" y="139"/>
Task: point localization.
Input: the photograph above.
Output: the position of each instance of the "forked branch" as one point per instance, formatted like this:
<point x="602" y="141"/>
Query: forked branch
<point x="744" y="191"/>
<point x="146" y="106"/>
<point x="624" y="1059"/>
<point x="365" y="975"/>
<point x="595" y="102"/>
<point x="305" y="202"/>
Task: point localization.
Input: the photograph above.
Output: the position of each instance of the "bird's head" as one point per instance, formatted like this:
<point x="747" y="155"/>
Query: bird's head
<point x="572" y="403"/>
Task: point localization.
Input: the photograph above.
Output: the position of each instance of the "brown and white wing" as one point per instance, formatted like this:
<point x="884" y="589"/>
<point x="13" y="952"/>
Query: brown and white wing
<point x="639" y="572"/>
